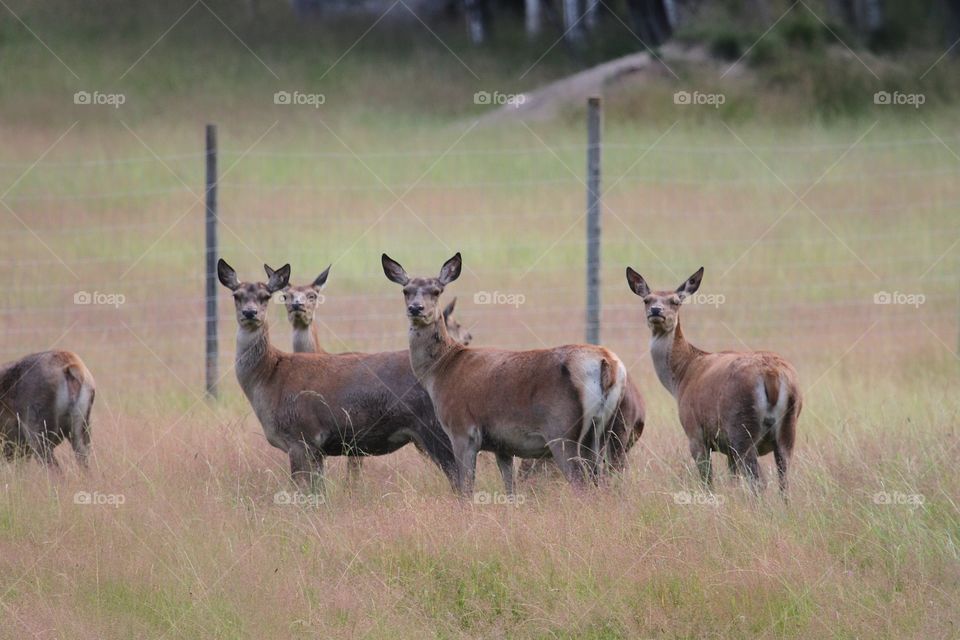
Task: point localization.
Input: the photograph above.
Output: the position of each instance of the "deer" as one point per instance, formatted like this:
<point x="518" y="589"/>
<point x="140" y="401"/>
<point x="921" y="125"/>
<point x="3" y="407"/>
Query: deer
<point x="46" y="398"/>
<point x="313" y="405"/>
<point x="744" y="404"/>
<point x="627" y="428"/>
<point x="526" y="404"/>
<point x="302" y="302"/>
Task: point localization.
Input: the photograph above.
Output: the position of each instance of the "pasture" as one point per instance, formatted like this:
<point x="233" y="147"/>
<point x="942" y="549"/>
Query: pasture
<point x="802" y="225"/>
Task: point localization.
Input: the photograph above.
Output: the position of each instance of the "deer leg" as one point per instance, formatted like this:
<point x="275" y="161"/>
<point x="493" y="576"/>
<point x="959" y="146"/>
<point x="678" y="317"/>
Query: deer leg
<point x="565" y="457"/>
<point x="745" y="457"/>
<point x="354" y="468"/>
<point x="732" y="464"/>
<point x="505" y="463"/>
<point x="531" y="467"/>
<point x="782" y="462"/>
<point x="465" y="449"/>
<point x="783" y="446"/>
<point x="306" y="468"/>
<point x="40" y="444"/>
<point x="80" y="441"/>
<point x="528" y="467"/>
<point x="701" y="455"/>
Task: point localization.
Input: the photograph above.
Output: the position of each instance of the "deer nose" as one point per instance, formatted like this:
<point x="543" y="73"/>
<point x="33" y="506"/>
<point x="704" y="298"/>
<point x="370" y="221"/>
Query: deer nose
<point x="415" y="309"/>
<point x="297" y="306"/>
<point x="249" y="314"/>
<point x="655" y="311"/>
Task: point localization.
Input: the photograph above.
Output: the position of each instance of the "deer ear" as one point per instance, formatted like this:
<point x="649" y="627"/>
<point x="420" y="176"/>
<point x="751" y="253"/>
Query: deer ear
<point x="690" y="287"/>
<point x="322" y="279"/>
<point x="393" y="270"/>
<point x="227" y="276"/>
<point x="448" y="310"/>
<point x="450" y="270"/>
<point x="637" y="284"/>
<point x="278" y="279"/>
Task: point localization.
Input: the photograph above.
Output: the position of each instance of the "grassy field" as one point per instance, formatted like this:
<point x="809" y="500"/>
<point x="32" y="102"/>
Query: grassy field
<point x="800" y="221"/>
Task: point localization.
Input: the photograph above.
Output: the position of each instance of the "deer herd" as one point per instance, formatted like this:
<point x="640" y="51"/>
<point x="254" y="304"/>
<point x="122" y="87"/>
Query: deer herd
<point x="573" y="406"/>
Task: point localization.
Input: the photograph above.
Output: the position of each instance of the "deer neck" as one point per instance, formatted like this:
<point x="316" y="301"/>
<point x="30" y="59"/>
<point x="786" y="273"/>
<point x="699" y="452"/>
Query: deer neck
<point x="429" y="345"/>
<point x="672" y="357"/>
<point x="256" y="358"/>
<point x="305" y="339"/>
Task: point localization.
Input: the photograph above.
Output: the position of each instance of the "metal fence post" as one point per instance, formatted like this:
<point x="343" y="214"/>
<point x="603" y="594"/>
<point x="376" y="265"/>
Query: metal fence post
<point x="211" y="261"/>
<point x="593" y="220"/>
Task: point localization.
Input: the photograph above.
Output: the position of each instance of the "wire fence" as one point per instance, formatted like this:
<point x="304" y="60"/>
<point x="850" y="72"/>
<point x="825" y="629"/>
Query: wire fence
<point x="117" y="274"/>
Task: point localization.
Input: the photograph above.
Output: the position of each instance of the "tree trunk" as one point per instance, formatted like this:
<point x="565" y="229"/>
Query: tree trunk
<point x="650" y="21"/>
<point x="534" y="17"/>
<point x="572" y="24"/>
<point x="476" y="20"/>
<point x="873" y="18"/>
<point x="591" y="14"/>
<point x="953" y="25"/>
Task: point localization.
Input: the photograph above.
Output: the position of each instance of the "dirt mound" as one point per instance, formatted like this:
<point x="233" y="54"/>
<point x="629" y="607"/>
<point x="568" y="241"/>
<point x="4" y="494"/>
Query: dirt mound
<point x="545" y="102"/>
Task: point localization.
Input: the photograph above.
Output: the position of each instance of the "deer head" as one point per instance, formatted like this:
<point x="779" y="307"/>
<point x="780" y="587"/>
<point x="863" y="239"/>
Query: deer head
<point x="301" y="302"/>
<point x="454" y="328"/>
<point x="422" y="295"/>
<point x="251" y="299"/>
<point x="663" y="307"/>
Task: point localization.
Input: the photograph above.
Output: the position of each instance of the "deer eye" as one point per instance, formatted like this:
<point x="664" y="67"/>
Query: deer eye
<point x="674" y="300"/>
<point x="648" y="299"/>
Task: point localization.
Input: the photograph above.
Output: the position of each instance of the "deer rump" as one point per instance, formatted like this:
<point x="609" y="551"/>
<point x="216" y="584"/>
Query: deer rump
<point x="45" y="398"/>
<point x="736" y="399"/>
<point x="627" y="426"/>
<point x="355" y="404"/>
<point x="523" y="400"/>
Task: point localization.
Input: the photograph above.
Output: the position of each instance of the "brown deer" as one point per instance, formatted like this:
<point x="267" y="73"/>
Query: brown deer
<point x="742" y="404"/>
<point x="313" y="405"/>
<point x="46" y="398"/>
<point x="302" y="303"/>
<point x="626" y="429"/>
<point x="527" y="404"/>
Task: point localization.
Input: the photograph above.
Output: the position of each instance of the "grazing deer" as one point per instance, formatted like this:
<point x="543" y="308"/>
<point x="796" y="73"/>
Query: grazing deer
<point x="313" y="405"/>
<point x="45" y="398"/>
<point x="302" y="303"/>
<point x="527" y="404"/>
<point x="743" y="404"/>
